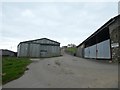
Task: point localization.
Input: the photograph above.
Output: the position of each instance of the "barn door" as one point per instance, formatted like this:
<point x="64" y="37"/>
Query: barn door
<point x="103" y="50"/>
<point x="43" y="53"/>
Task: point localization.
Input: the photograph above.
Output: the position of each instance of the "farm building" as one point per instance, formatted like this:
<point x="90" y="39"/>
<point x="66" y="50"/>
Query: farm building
<point x="104" y="43"/>
<point x="38" y="48"/>
<point x="5" y="52"/>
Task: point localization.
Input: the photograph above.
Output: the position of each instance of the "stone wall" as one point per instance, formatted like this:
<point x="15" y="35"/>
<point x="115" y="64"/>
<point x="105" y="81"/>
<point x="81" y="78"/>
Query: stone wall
<point x="114" y="30"/>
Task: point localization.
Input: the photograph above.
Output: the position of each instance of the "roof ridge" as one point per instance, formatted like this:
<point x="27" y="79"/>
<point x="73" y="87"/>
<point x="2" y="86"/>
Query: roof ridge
<point x="38" y="39"/>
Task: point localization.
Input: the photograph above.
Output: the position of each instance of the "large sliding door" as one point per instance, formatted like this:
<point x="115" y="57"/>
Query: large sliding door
<point x="34" y="50"/>
<point x="100" y="50"/>
<point x="90" y="52"/>
<point x="103" y="50"/>
<point x="93" y="51"/>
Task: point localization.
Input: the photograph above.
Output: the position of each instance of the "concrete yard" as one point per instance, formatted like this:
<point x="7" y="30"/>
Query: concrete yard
<point x="67" y="72"/>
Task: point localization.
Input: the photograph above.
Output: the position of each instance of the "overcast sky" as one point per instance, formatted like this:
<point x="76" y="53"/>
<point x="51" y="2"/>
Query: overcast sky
<point x="65" y="22"/>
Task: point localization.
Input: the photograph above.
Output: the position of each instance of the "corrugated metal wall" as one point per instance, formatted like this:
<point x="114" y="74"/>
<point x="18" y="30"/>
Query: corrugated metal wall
<point x="104" y="50"/>
<point x="45" y="51"/>
<point x="90" y="52"/>
<point x="23" y="49"/>
<point x="34" y="50"/>
<point x="40" y="48"/>
<point x="86" y="52"/>
<point x="100" y="50"/>
<point x="18" y="50"/>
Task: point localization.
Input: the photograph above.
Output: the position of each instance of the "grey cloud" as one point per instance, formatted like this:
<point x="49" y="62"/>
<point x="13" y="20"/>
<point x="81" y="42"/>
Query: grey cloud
<point x="63" y="22"/>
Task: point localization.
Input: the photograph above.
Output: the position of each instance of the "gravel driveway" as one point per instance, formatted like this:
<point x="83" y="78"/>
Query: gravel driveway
<point x="67" y="72"/>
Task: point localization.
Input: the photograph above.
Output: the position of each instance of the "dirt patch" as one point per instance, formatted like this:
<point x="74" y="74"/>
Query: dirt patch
<point x="58" y="63"/>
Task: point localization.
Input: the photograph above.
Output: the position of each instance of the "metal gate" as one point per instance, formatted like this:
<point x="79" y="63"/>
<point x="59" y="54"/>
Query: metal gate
<point x="99" y="51"/>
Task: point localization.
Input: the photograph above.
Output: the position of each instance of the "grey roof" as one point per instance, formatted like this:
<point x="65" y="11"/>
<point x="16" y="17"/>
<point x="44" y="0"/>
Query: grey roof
<point x="38" y="39"/>
<point x="6" y="50"/>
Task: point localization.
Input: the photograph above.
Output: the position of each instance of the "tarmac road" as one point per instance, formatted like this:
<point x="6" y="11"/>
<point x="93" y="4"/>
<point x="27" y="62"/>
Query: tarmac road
<point x="67" y="72"/>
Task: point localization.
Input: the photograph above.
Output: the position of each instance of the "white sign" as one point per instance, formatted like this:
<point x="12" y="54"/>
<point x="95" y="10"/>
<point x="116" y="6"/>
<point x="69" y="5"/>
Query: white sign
<point x="115" y="45"/>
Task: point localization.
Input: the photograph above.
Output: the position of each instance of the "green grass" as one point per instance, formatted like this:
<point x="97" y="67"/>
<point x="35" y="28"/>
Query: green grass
<point x="71" y="50"/>
<point x="0" y="80"/>
<point x="13" y="68"/>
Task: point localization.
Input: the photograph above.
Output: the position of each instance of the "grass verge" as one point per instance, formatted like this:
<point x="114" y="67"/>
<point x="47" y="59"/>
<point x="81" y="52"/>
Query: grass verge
<point x="71" y="50"/>
<point x="13" y="68"/>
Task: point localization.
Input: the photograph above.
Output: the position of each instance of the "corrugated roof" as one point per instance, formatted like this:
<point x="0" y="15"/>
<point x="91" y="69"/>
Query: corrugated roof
<point x="37" y="40"/>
